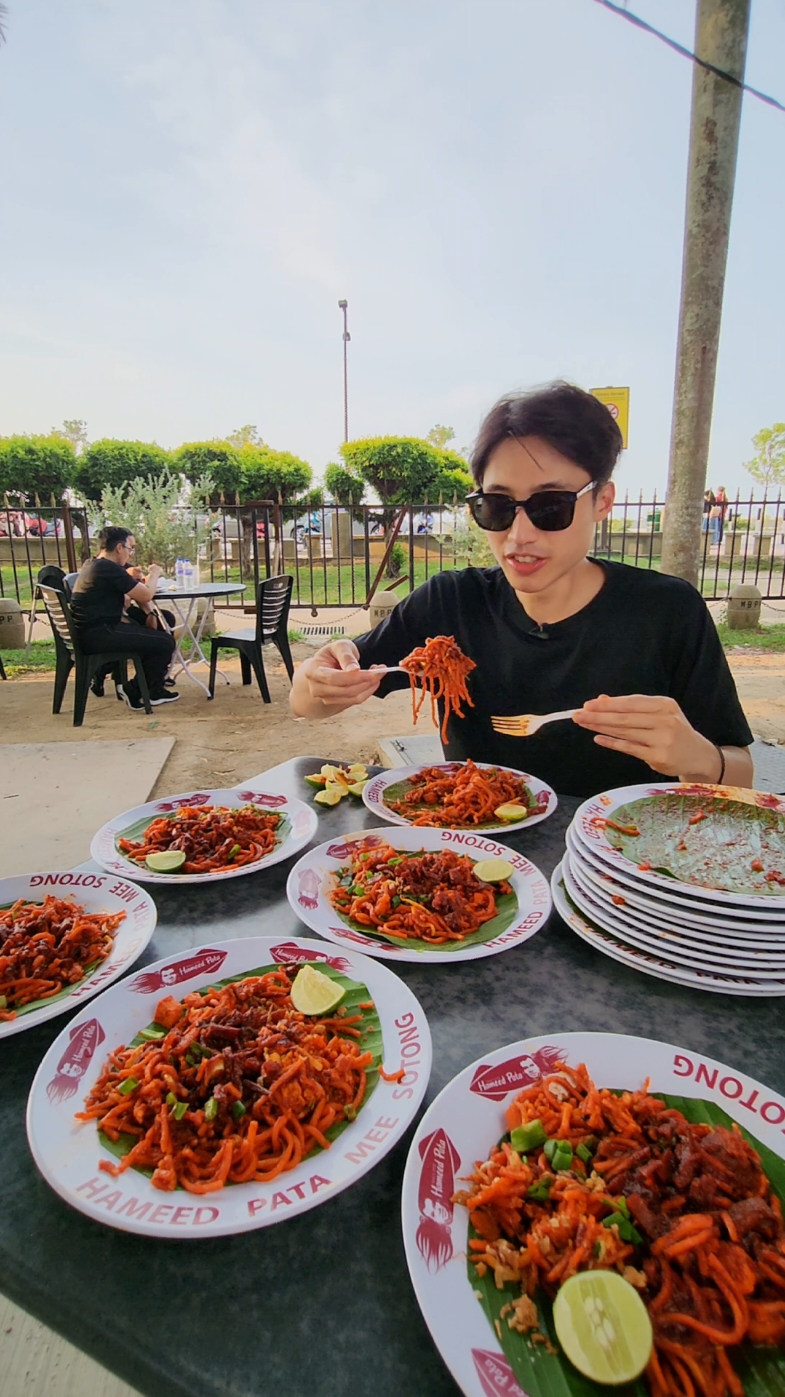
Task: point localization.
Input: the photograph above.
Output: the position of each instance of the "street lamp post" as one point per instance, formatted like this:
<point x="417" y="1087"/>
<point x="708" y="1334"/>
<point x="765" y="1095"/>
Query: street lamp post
<point x="344" y="305"/>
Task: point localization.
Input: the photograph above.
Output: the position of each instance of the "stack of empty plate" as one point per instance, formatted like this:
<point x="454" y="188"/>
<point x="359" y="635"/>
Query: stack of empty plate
<point x="683" y="882"/>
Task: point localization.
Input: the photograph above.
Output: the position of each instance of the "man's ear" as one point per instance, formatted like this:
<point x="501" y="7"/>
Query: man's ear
<point x="603" y="503"/>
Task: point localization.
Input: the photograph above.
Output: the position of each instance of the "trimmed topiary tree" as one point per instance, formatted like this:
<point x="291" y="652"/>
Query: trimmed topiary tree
<point x="111" y="464"/>
<point x="32" y="466"/>
<point x="218" y="459"/>
<point x="406" y="470"/>
<point x="270" y="475"/>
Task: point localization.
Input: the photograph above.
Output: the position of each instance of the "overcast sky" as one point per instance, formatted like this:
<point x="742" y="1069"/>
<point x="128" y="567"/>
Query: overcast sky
<point x="189" y="186"/>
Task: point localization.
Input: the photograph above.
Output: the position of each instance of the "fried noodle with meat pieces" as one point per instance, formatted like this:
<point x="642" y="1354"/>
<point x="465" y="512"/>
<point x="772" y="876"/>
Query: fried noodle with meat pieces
<point x="441" y="669"/>
<point x="682" y="1211"/>
<point x="45" y="947"/>
<point x="424" y="897"/>
<point x="212" y="837"/>
<point x="461" y="797"/>
<point x="238" y="1087"/>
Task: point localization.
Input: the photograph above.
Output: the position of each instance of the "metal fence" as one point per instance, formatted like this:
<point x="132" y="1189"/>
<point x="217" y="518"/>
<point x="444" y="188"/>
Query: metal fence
<point x="339" y="557"/>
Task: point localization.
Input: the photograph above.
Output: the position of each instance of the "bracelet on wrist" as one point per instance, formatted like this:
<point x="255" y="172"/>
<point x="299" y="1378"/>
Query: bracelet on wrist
<point x="721" y="776"/>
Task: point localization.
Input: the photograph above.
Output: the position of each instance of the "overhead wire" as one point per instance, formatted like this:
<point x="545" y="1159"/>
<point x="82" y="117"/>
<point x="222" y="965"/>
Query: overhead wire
<point x="688" y="53"/>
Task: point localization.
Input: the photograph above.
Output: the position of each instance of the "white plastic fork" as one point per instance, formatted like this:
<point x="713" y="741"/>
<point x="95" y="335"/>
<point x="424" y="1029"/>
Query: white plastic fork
<point x="527" y="724"/>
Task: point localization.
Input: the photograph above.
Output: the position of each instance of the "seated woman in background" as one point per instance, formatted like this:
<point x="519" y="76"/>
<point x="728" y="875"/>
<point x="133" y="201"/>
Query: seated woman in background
<point x="550" y="628"/>
<point x="101" y="592"/>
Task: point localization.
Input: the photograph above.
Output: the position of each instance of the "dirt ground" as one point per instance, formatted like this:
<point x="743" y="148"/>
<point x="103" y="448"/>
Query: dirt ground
<point x="219" y="742"/>
<point x="237" y="735"/>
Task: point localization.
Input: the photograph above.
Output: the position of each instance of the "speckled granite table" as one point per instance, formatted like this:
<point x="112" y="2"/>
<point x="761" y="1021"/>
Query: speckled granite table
<point x="320" y="1306"/>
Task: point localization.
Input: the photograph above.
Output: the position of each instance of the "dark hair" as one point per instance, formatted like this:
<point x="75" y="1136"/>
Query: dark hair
<point x="113" y="534"/>
<point x="573" y="422"/>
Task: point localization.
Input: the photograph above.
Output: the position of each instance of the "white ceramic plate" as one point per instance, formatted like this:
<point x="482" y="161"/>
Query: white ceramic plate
<point x="373" y="795"/>
<point x="698" y="910"/>
<point x="749" y="952"/>
<point x="748" y="928"/>
<point x="95" y="892"/>
<point x="654" y="964"/>
<point x="68" y="1153"/>
<point x="703" y="956"/>
<point x="465" y="1122"/>
<point x="314" y="875"/>
<point x="588" y="824"/>
<point x="299" y="828"/>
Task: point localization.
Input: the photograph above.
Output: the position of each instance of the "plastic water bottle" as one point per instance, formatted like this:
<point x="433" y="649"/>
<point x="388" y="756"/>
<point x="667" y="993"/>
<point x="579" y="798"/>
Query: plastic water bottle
<point x="179" y="574"/>
<point x="188" y="580"/>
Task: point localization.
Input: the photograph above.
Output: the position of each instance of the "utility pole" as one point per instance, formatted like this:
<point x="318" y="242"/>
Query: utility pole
<point x="344" y="305"/>
<point x="721" y="39"/>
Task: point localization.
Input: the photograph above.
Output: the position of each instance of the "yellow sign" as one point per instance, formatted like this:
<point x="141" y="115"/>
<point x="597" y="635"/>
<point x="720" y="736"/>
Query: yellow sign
<point x="617" y="401"/>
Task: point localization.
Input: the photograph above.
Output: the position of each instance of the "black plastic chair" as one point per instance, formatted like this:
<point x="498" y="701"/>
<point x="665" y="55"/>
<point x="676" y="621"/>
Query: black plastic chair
<point x="273" y="600"/>
<point x="3" y="674"/>
<point x="70" y="655"/>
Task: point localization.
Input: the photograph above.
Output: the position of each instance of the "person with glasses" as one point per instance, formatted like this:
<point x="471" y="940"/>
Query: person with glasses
<point x="101" y="593"/>
<point x="550" y="627"/>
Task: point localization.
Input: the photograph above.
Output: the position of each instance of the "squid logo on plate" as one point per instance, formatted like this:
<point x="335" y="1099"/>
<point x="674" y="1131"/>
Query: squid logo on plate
<point x="496" y="1376"/>
<point x="289" y="953"/>
<point x="270" y="802"/>
<point x="354" y="846"/>
<point x="496" y="1082"/>
<point x="440" y="1159"/>
<point x="308" y="883"/>
<point x="75" y="1060"/>
<point x="203" y="963"/>
<point x="183" y="802"/>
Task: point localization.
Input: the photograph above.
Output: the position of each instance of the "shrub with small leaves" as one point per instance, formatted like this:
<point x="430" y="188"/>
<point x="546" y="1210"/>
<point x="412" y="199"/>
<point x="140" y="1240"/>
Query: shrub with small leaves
<point x="162" y="514"/>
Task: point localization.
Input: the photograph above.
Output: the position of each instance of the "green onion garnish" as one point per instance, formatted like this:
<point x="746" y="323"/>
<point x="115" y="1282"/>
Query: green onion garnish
<point x="528" y="1137"/>
<point x="211" y="1109"/>
<point x="130" y="1084"/>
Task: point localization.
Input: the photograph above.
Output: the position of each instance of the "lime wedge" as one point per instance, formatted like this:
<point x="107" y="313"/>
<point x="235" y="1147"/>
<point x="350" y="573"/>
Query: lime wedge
<point x="315" y="993"/>
<point x="511" y="811"/>
<point x="493" y="870"/>
<point x="358" y="788"/>
<point x="316" y="780"/>
<point x="329" y="796"/>
<point x="603" y="1326"/>
<point x="167" y="861"/>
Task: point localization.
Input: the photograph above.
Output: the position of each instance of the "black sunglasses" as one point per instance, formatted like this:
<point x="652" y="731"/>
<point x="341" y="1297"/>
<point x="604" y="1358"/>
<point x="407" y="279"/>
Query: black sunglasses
<point x="549" y="510"/>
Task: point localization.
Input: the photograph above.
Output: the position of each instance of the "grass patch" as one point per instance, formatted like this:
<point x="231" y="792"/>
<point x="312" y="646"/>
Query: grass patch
<point x="41" y="657"/>
<point x="769" y="638"/>
<point x="295" y="637"/>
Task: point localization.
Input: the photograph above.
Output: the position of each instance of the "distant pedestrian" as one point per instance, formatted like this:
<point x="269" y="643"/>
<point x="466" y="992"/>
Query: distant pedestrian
<point x="721" y="504"/>
<point x="708" y="506"/>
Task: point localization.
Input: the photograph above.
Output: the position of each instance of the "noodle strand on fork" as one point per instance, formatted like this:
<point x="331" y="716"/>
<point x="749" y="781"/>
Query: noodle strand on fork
<point x="442" y="669"/>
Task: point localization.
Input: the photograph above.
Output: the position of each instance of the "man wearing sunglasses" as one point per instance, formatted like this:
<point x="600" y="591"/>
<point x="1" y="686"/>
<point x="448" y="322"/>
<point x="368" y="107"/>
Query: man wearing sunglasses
<point x="551" y="628"/>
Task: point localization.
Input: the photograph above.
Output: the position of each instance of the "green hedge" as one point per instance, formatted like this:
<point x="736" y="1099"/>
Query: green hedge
<point x="36" y="465"/>
<point x="112" y="464"/>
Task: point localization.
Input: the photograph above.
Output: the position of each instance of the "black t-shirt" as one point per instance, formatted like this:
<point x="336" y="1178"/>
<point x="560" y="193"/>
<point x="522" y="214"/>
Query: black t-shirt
<point x="97" y="597"/>
<point x="644" y="633"/>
